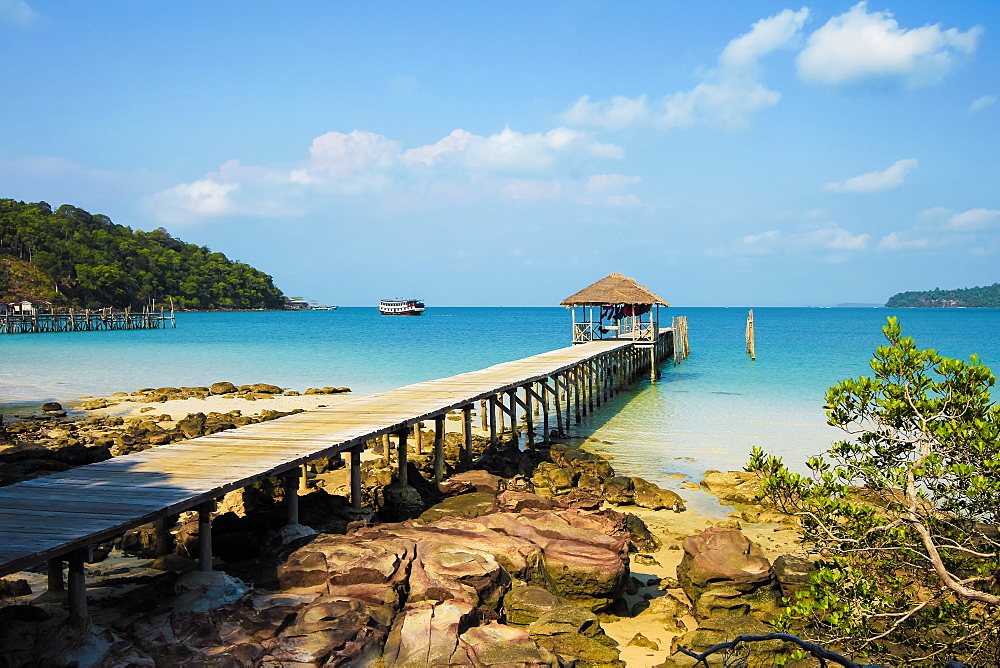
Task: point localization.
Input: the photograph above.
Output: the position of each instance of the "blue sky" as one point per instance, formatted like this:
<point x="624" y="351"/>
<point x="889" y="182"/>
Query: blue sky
<point x="487" y="153"/>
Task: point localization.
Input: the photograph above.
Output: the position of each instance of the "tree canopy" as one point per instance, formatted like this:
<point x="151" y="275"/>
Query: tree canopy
<point x="75" y="258"/>
<point x="903" y="516"/>
<point x="987" y="296"/>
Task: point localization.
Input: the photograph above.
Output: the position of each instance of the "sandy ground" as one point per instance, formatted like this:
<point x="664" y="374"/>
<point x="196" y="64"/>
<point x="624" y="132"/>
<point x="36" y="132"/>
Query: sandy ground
<point x="219" y="403"/>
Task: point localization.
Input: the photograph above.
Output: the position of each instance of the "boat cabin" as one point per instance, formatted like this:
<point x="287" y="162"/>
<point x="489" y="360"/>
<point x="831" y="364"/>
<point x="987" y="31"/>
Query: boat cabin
<point x="617" y="308"/>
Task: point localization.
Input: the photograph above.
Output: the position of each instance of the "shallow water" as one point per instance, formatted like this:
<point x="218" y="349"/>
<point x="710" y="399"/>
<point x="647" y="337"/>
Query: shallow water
<point x="707" y="412"/>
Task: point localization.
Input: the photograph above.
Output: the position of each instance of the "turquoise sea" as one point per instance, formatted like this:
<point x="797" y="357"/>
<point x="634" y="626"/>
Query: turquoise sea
<point x="706" y="412"/>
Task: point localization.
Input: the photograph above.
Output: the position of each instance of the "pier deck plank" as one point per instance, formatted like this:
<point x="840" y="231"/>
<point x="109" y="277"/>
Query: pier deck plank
<point x="49" y="516"/>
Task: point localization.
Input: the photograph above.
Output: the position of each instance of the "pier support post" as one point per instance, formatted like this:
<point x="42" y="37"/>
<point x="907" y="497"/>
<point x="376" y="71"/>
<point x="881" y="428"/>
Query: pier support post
<point x="162" y="540"/>
<point x="55" y="575"/>
<point x="439" y="448"/>
<point x="304" y="480"/>
<point x="467" y="435"/>
<point x="512" y="397"/>
<point x="529" y="419"/>
<point x="77" y="593"/>
<point x="356" y="476"/>
<point x="292" y="495"/>
<point x="419" y="442"/>
<point x="652" y="364"/>
<point x="205" y="535"/>
<point x="493" y="421"/>
<point x="386" y="448"/>
<point x="401" y="459"/>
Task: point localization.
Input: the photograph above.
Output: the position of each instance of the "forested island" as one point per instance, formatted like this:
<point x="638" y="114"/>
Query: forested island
<point x="987" y="296"/>
<point x="73" y="258"/>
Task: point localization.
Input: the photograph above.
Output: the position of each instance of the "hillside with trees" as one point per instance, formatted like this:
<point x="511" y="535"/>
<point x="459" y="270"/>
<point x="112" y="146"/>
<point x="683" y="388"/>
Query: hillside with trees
<point x="73" y="258"/>
<point x="985" y="297"/>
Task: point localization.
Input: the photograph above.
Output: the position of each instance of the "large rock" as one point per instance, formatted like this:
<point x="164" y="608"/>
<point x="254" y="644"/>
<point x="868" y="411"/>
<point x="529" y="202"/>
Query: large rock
<point x="575" y="634"/>
<point x="501" y="645"/>
<point x="523" y="605"/>
<point x="426" y="633"/>
<point x="222" y="388"/>
<point x="648" y="495"/>
<point x="724" y="629"/>
<point x="330" y="560"/>
<point x="584" y="462"/>
<point x="741" y="487"/>
<point x="619" y="491"/>
<point x="726" y="574"/>
<point x="468" y="506"/>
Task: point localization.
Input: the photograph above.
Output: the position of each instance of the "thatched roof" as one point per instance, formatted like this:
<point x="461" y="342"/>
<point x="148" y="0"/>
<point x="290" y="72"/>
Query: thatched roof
<point x="613" y="289"/>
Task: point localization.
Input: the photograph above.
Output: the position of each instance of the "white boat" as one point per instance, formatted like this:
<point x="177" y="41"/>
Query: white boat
<point x="401" y="307"/>
<point x="324" y="308"/>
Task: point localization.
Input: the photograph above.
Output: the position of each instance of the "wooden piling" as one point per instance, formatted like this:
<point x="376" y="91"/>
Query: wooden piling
<point x="751" y="345"/>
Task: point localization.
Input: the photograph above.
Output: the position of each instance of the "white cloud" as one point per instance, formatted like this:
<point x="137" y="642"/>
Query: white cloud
<point x="981" y="103"/>
<point x="340" y="154"/>
<point x="459" y="169"/>
<point x="198" y="199"/>
<point x="975" y="219"/>
<point x="727" y="96"/>
<point x="17" y="12"/>
<point x="871" y="182"/>
<point x="763" y="237"/>
<point x="896" y="241"/>
<point x="859" y="46"/>
<point x="837" y="238"/>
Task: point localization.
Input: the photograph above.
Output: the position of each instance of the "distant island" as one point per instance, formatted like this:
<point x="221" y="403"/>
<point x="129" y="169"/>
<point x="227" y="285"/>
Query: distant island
<point x="979" y="297"/>
<point x="72" y="258"/>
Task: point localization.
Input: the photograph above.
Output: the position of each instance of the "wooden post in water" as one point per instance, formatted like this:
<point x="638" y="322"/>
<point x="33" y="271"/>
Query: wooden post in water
<point x="751" y="346"/>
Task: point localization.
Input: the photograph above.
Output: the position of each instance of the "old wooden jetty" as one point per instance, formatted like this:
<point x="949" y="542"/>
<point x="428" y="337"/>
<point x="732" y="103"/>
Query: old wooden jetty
<point x="59" y="517"/>
<point x="34" y="322"/>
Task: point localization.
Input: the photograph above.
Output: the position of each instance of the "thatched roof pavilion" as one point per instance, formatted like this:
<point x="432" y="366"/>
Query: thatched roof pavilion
<point x="621" y="304"/>
<point x="613" y="289"/>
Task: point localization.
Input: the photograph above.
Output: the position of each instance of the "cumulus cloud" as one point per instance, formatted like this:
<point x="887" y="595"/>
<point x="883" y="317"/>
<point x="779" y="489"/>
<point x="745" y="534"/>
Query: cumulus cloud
<point x="727" y="96"/>
<point x="17" y="12"/>
<point x="837" y="238"/>
<point x="858" y="46"/>
<point x="871" y="182"/>
<point x="974" y="219"/>
<point x="806" y="240"/>
<point x="898" y="241"/>
<point x="981" y="103"/>
<point x="459" y="168"/>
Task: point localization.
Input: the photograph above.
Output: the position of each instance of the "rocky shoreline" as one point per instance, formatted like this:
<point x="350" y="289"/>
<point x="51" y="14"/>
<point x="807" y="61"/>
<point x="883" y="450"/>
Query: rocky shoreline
<point x="540" y="558"/>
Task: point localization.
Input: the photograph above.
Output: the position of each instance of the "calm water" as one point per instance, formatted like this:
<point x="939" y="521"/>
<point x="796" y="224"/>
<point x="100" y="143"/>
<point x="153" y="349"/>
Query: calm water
<point x="705" y="413"/>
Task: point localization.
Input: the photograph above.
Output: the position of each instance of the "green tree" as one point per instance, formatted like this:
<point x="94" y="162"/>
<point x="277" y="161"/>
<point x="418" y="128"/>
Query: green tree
<point x="903" y="516"/>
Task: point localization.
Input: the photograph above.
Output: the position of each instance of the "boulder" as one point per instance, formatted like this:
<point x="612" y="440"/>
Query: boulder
<point x="500" y="645"/>
<point x="726" y="574"/>
<point x="575" y="634"/>
<point x="464" y="505"/>
<point x="792" y="573"/>
<point x="192" y="426"/>
<point x="515" y="501"/>
<point x="52" y="407"/>
<point x="427" y="633"/>
<point x="524" y="604"/>
<point x="331" y="560"/>
<point x="481" y="481"/>
<point x="201" y="591"/>
<point x="648" y="495"/>
<point x="582" y="461"/>
<point x="265" y="388"/>
<point x="619" y="491"/>
<point x="641" y="538"/>
<point x="741" y="487"/>
<point x="724" y="629"/>
<point x="222" y="388"/>
<point x="14" y="588"/>
<point x="329" y="632"/>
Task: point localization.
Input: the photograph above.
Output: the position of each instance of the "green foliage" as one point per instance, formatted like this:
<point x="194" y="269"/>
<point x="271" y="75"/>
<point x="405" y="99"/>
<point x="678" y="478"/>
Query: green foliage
<point x="979" y="297"/>
<point x="902" y="516"/>
<point x="93" y="263"/>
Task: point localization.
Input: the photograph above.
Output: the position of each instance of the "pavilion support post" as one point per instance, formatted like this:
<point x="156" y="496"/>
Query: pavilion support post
<point x="493" y="421"/>
<point x="501" y="416"/>
<point x="356" y="476"/>
<point x="439" y="448"/>
<point x="591" y="386"/>
<point x="55" y="575"/>
<point x="79" y="619"/>
<point x="205" y="535"/>
<point x="292" y="495"/>
<point x="467" y="434"/>
<point x="401" y="458"/>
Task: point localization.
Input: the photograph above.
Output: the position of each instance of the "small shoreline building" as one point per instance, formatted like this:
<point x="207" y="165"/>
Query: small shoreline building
<point x="616" y="308"/>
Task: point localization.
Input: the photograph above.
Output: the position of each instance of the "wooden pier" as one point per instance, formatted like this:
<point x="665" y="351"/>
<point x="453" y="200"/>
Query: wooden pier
<point x="84" y="321"/>
<point x="60" y="516"/>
